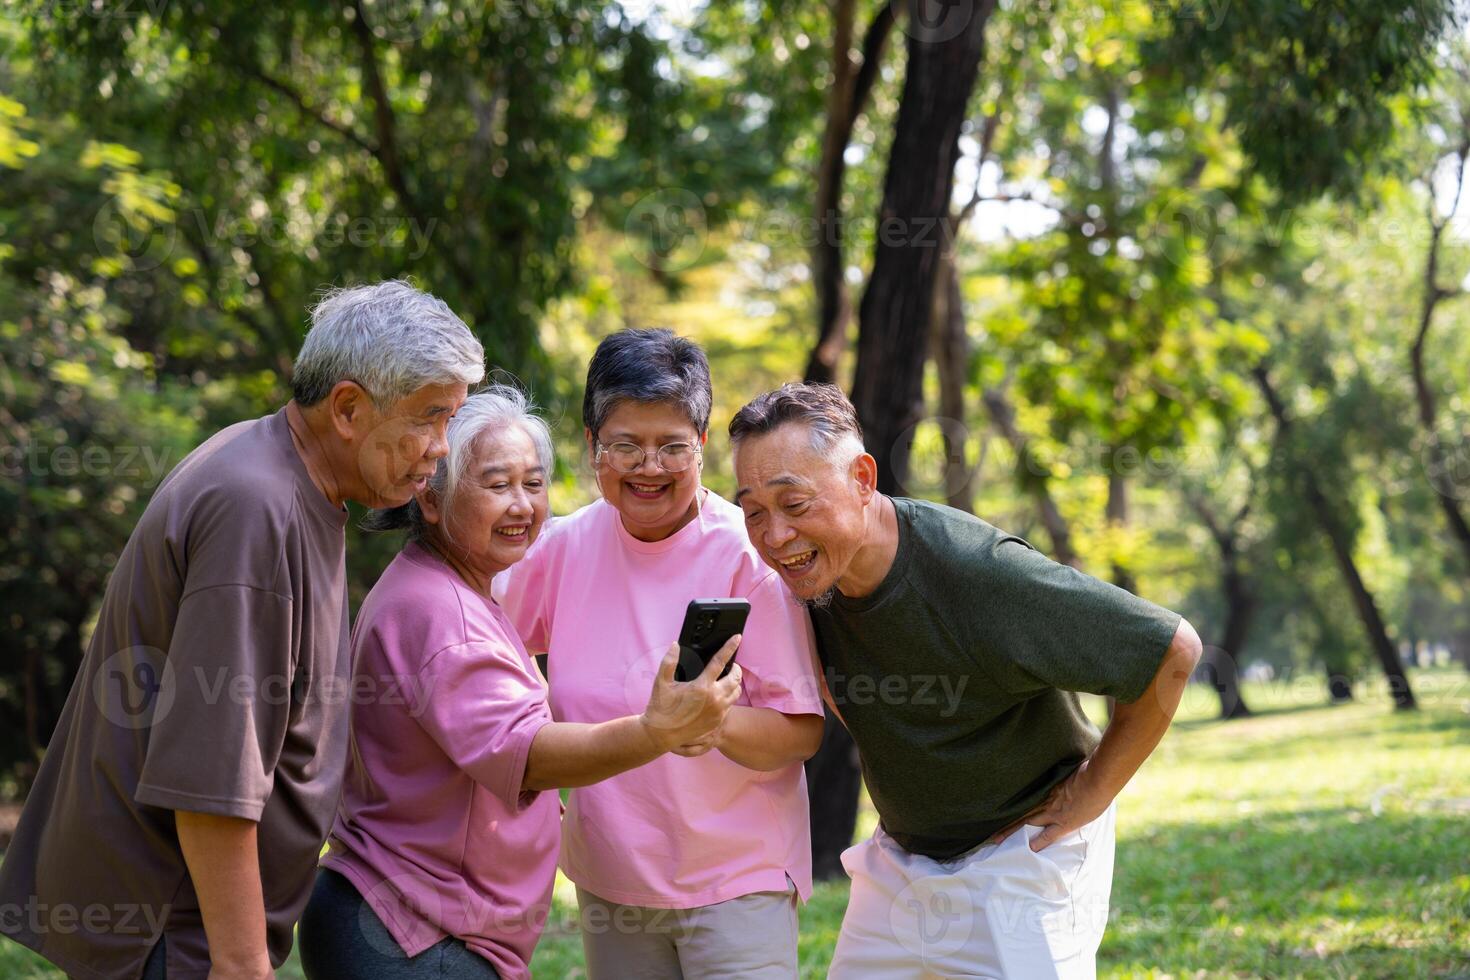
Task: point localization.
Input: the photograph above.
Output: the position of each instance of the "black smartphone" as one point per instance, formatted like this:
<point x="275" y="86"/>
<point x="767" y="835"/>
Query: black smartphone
<point x="708" y="624"/>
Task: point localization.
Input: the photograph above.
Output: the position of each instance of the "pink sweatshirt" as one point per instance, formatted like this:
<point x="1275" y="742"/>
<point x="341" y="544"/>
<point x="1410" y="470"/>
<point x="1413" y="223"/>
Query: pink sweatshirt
<point x="445" y="704"/>
<point x="604" y="606"/>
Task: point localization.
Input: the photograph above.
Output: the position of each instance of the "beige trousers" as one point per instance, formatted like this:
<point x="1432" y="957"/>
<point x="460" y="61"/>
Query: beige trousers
<point x="752" y="937"/>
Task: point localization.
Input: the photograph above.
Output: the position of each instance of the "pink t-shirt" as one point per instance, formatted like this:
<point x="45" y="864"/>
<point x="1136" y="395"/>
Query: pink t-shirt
<point x="604" y="606"/>
<point x="445" y="704"/>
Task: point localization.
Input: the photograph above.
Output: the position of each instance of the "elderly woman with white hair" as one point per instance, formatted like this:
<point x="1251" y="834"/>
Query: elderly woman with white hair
<point x="191" y="780"/>
<point x="444" y="851"/>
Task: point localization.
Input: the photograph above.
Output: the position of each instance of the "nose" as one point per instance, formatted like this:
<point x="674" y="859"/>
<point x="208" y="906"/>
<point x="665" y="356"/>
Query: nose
<point x="520" y="502"/>
<point x="778" y="533"/>
<point x="439" y="444"/>
<point x="649" y="466"/>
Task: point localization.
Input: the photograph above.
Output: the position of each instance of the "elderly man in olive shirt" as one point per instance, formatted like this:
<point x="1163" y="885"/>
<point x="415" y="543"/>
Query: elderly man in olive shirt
<point x="952" y="651"/>
<point x="175" y="825"/>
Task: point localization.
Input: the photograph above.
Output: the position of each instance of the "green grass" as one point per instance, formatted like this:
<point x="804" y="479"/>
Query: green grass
<point x="1308" y="841"/>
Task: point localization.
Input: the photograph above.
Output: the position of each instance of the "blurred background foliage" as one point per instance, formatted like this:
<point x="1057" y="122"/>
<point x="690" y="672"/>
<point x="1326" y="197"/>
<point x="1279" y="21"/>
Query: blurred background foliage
<point x="1195" y="325"/>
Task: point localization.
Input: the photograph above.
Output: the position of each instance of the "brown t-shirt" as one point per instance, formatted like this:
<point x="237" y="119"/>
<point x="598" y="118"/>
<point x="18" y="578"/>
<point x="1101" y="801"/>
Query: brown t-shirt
<point x="216" y="682"/>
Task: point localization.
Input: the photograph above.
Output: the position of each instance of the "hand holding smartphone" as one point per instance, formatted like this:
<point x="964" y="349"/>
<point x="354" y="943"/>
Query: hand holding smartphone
<point x="708" y="624"/>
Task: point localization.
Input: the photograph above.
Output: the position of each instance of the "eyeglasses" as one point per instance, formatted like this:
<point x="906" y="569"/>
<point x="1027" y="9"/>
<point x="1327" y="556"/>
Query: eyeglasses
<point x="625" y="457"/>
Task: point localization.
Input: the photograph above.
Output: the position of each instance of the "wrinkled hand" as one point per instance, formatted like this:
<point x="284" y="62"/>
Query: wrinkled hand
<point x="1072" y="803"/>
<point x="690" y="714"/>
<point x="698" y="747"/>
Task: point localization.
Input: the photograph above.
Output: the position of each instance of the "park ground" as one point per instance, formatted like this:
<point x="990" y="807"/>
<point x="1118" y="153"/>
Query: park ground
<point x="1307" y="841"/>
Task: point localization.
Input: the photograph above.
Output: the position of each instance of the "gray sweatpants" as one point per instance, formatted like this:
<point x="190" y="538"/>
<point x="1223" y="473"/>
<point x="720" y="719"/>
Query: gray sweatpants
<point x="752" y="937"/>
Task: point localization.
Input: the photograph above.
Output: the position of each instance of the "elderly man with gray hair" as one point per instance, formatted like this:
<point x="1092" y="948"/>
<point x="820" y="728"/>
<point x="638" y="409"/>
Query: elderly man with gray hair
<point x="952" y="652"/>
<point x="175" y="824"/>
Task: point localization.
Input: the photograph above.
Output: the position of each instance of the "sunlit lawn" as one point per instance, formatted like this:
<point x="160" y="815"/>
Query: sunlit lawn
<point x="1308" y="841"/>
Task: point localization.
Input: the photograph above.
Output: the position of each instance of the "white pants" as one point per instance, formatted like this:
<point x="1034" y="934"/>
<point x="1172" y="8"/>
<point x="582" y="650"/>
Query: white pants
<point x="1001" y="910"/>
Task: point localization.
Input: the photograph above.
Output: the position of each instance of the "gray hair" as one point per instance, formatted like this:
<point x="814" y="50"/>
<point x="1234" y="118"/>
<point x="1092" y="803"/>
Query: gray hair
<point x="647" y="365"/>
<point x="823" y="408"/>
<point x="388" y="337"/>
<point x="497" y="406"/>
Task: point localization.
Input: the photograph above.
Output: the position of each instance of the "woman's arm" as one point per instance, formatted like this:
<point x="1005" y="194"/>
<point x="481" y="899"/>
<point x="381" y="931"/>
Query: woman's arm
<point x="575" y="754"/>
<point x="765" y="739"/>
<point x="566" y="753"/>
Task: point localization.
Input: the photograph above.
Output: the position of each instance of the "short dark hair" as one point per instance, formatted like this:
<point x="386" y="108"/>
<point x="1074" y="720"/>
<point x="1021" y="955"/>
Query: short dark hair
<point x="647" y="365"/>
<point x="821" y="407"/>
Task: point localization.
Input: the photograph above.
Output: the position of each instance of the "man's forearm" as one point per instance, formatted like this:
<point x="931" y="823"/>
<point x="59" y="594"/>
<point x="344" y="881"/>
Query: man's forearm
<point x="765" y="739"/>
<point x="224" y="866"/>
<point x="1136" y="728"/>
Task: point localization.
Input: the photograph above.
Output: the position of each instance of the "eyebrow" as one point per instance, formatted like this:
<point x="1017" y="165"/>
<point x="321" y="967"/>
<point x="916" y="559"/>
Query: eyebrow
<point x="666" y="438"/>
<point x="780" y="481"/>
<point x="506" y="469"/>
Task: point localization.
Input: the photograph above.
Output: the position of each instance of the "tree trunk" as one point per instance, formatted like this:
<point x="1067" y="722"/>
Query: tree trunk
<point x="1218" y="669"/>
<point x="1439" y="462"/>
<point x="1220" y="666"/>
<point x="895" y="314"/>
<point x="32" y="685"/>
<point x="846" y="101"/>
<point x="1034" y="477"/>
<point x="1240" y="609"/>
<point x="1337" y="536"/>
<point x="833" y="780"/>
<point x="1117" y="514"/>
<point x="951" y="350"/>
<point x="1339" y="688"/>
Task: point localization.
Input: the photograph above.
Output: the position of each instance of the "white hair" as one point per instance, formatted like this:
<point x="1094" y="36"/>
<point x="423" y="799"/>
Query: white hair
<point x="390" y="338"/>
<point x="496" y="407"/>
<point x="841" y="447"/>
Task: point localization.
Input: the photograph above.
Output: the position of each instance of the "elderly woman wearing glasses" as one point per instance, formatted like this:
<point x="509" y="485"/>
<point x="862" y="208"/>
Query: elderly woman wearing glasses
<point x="444" y="849"/>
<point x="692" y="865"/>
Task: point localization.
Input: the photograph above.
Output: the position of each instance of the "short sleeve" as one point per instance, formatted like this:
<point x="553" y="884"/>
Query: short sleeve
<point x="482" y="705"/>
<point x="524" y="591"/>
<point x="224" y="704"/>
<point x="777" y="651"/>
<point x="1052" y="626"/>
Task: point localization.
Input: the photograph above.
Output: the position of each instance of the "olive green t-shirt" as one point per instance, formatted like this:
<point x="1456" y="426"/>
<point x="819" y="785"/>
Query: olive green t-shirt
<point x="956" y="676"/>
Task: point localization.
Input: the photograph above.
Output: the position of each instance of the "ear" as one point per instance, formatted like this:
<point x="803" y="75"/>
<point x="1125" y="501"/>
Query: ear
<point x="347" y="405"/>
<point x="865" y="473"/>
<point x="429" y="505"/>
<point x="704" y="437"/>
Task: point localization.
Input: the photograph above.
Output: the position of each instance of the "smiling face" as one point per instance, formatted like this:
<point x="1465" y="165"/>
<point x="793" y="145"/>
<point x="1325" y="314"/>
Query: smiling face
<point x="805" y="511"/>
<point x="498" y="506"/>
<point x="399" y="447"/>
<point x="652" y="502"/>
